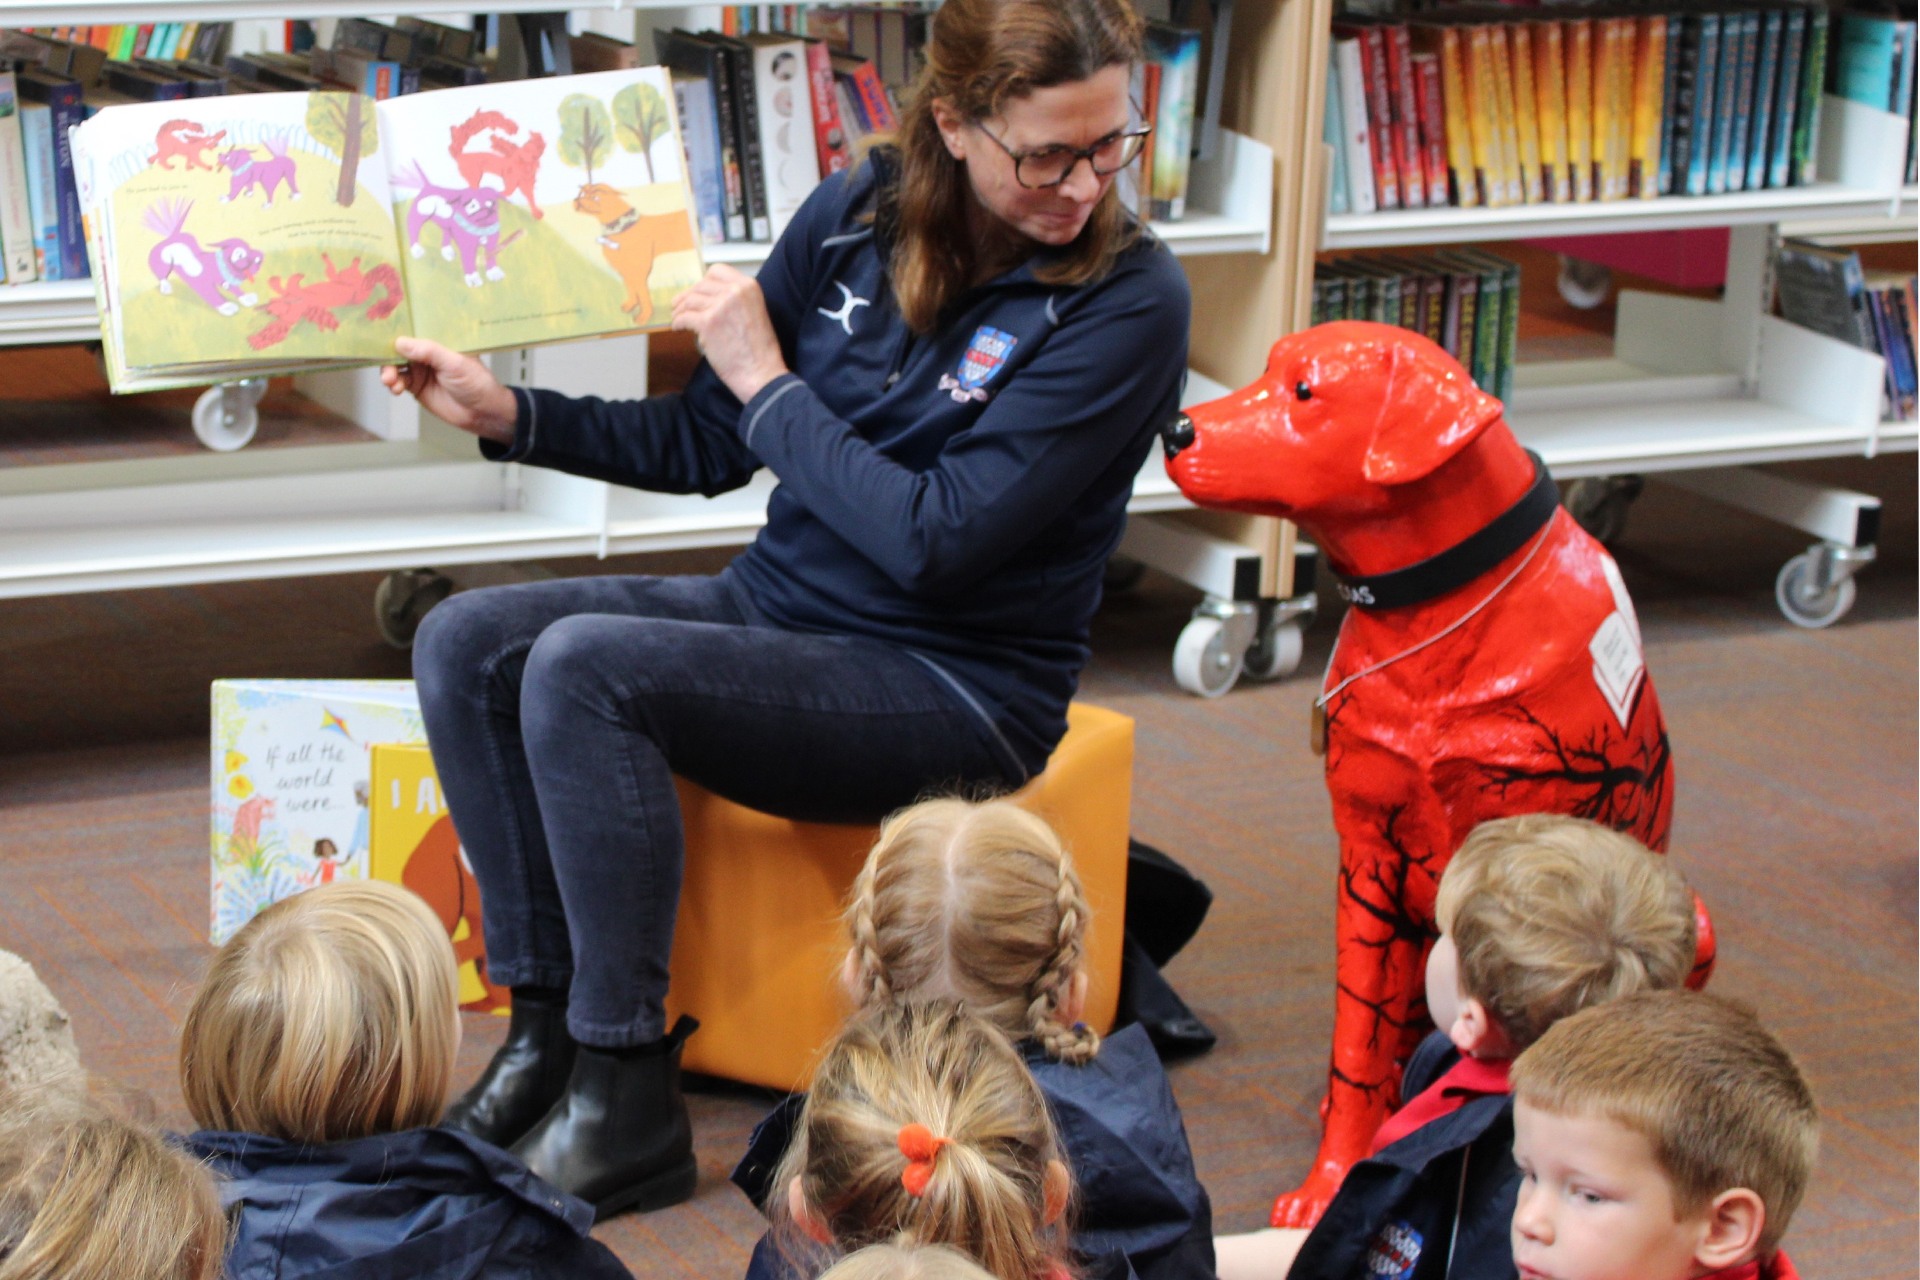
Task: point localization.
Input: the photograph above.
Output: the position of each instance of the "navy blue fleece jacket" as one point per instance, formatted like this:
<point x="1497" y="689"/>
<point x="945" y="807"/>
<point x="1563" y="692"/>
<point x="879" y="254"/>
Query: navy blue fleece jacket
<point x="956" y="493"/>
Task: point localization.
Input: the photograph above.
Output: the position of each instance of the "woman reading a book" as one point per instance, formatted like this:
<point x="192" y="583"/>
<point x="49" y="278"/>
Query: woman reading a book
<point x="954" y="362"/>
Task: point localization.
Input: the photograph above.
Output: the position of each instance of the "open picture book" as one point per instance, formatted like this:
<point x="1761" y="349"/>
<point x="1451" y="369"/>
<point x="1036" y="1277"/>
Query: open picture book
<point x="255" y="234"/>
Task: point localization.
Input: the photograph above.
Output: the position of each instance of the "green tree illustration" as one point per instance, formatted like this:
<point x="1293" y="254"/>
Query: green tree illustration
<point x="586" y="135"/>
<point x="342" y="123"/>
<point x="640" y="120"/>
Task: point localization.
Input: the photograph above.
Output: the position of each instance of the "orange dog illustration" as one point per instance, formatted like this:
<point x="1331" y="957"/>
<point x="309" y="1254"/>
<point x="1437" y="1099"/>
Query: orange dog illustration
<point x="632" y="241"/>
<point x="438" y="872"/>
<point x="183" y="139"/>
<point x="514" y="163"/>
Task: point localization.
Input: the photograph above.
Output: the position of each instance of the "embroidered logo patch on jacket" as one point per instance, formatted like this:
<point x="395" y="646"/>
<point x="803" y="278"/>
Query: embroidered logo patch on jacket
<point x="984" y="356"/>
<point x="1394" y="1252"/>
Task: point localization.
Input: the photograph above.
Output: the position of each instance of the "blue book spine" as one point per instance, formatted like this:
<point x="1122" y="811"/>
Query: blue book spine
<point x="43" y="196"/>
<point x="1331" y="134"/>
<point x="1902" y="95"/>
<point x="1813" y="83"/>
<point x="1786" y="98"/>
<point x="68" y="111"/>
<point x="1705" y="80"/>
<point x="702" y="149"/>
<point x="1773" y="22"/>
<point x="1746" y="52"/>
<point x="1864" y="67"/>
<point x="1669" y="109"/>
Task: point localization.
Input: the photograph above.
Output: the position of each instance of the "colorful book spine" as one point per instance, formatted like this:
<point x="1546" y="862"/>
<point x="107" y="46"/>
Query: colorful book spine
<point x="1506" y="120"/>
<point x="64" y="97"/>
<point x="1697" y="155"/>
<point x="1649" y="83"/>
<point x="1409" y="157"/>
<point x="1550" y="99"/>
<point x="1766" y="72"/>
<point x="43" y="197"/>
<point x="1468" y="181"/>
<point x="1483" y="117"/>
<point x="1739" y="136"/>
<point x="1786" y="99"/>
<point x="746" y="102"/>
<point x="1669" y="98"/>
<point x="16" y="216"/>
<point x="1579" y="38"/>
<point x="1433" y="125"/>
<point x="1357" y="138"/>
<point x="699" y="140"/>
<point x="1727" y="81"/>
<point x="1813" y="71"/>
<point x="1463" y="315"/>
<point x="830" y="135"/>
<point x="1331" y="134"/>
<point x="1177" y="50"/>
<point x="1535" y="187"/>
<point x="1373" y="68"/>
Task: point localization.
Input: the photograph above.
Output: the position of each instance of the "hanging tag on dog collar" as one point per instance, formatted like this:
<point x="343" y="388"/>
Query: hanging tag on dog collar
<point x="1317" y="728"/>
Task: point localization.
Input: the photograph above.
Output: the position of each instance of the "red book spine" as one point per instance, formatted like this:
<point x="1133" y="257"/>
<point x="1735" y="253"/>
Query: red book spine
<point x="873" y="96"/>
<point x="1373" y="66"/>
<point x="1433" y="126"/>
<point x="141" y="39"/>
<point x="829" y="134"/>
<point x="1406" y="116"/>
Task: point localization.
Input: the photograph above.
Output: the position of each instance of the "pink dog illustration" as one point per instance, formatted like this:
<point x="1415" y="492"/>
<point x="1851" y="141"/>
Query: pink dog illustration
<point x="219" y="274"/>
<point x="251" y="171"/>
<point x="469" y="222"/>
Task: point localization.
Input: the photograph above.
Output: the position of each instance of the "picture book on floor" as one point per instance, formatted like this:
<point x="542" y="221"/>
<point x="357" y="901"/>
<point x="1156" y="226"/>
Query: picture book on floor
<point x="244" y="235"/>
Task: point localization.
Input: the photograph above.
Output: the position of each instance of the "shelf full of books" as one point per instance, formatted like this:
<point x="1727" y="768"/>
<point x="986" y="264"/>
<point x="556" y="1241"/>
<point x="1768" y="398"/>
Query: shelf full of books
<point x="1451" y="125"/>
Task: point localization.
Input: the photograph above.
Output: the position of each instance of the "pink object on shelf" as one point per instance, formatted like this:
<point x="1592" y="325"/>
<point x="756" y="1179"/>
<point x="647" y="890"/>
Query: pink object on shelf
<point x="1695" y="259"/>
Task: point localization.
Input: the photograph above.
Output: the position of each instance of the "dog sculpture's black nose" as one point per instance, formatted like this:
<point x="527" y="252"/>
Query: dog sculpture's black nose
<point x="1177" y="434"/>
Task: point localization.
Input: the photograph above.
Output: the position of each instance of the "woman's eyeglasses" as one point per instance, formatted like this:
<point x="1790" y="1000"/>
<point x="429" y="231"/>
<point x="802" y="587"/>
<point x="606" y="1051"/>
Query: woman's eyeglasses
<point x="1050" y="166"/>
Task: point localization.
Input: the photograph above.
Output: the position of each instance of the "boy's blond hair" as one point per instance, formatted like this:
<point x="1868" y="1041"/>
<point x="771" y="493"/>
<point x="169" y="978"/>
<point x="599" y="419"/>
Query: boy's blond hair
<point x="1718" y="1098"/>
<point x="330" y="1015"/>
<point x="86" y="1194"/>
<point x="975" y="902"/>
<point x="1550" y="914"/>
<point x="906" y="1262"/>
<point x="936" y="1065"/>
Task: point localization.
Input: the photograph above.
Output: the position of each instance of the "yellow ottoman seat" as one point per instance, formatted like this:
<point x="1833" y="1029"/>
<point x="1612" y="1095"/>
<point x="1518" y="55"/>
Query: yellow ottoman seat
<point x="758" y="948"/>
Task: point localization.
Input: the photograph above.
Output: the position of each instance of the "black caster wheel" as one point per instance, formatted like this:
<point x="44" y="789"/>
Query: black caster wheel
<point x="1599" y="504"/>
<point x="403" y="599"/>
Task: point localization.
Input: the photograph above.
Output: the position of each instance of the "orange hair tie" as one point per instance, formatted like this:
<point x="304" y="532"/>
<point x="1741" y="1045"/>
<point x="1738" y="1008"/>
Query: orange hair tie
<point x="919" y="1146"/>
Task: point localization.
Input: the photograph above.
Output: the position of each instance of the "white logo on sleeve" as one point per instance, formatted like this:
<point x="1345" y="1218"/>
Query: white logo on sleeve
<point x="847" y="303"/>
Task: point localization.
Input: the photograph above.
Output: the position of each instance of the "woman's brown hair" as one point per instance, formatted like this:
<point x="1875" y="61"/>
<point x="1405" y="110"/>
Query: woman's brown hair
<point x="980" y="55"/>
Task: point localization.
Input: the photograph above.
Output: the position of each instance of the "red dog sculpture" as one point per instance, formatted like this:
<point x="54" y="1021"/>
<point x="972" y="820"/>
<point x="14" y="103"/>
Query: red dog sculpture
<point x="1491" y="664"/>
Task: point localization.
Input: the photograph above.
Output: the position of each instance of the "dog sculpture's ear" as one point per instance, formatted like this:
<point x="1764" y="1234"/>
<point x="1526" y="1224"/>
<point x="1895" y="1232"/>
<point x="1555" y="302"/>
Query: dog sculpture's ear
<point x="1430" y="411"/>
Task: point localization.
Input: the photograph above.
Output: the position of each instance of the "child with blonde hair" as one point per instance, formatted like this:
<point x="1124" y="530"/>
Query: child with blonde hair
<point x="979" y="903"/>
<point x="1663" y="1136"/>
<point x="906" y="1262"/>
<point x="318" y="1049"/>
<point x="86" y="1194"/>
<point x="923" y="1127"/>
<point x="1540" y="916"/>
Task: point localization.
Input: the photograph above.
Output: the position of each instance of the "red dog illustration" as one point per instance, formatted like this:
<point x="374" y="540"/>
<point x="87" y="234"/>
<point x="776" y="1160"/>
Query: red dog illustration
<point x="315" y="303"/>
<point x="1491" y="664"/>
<point x="515" y="164"/>
<point x="183" y="139"/>
<point x="438" y="872"/>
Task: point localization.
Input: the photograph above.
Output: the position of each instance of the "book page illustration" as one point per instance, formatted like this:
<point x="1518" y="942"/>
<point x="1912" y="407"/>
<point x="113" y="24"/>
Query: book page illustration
<point x="541" y="210"/>
<point x="245" y="229"/>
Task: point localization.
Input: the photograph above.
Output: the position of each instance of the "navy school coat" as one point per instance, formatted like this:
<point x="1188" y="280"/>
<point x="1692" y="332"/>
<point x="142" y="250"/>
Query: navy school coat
<point x="1140" y="1209"/>
<point x="1438" y="1203"/>
<point x="423" y="1204"/>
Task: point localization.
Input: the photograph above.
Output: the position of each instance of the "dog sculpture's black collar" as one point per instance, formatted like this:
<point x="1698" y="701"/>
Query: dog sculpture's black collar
<point x="1463" y="561"/>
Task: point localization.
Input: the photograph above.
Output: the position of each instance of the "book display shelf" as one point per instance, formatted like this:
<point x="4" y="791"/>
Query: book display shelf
<point x="420" y="495"/>
<point x="1699" y="391"/>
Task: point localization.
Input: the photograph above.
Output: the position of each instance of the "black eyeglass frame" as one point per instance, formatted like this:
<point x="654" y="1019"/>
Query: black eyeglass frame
<point x="1077" y="153"/>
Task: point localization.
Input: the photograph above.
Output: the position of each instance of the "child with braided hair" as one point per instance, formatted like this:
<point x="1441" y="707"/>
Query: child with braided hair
<point x="923" y="1127"/>
<point x="979" y="903"/>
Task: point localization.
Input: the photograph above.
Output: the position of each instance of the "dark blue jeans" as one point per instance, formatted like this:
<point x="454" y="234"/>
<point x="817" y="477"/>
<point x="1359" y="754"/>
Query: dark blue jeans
<point x="558" y="713"/>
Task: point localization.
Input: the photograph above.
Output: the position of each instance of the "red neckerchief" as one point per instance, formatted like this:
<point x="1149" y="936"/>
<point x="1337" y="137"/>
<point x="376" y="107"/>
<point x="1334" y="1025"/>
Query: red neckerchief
<point x="1779" y="1268"/>
<point x="1468" y="1078"/>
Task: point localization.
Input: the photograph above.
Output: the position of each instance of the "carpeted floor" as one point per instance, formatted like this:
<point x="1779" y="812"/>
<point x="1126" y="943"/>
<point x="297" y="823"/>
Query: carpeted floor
<point x="1796" y="821"/>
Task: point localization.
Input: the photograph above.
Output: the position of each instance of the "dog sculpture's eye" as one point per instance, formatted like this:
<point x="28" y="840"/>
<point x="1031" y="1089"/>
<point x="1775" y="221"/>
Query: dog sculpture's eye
<point x="1301" y="391"/>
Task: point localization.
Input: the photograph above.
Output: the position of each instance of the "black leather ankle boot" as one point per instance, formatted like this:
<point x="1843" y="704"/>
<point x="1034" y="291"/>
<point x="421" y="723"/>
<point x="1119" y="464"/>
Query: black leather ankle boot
<point x="619" y="1137"/>
<point x="528" y="1074"/>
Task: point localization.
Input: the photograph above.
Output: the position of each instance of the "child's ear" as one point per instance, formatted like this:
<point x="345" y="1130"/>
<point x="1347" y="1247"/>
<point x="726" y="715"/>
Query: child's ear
<point x="1056" y="1188"/>
<point x="1475" y="1033"/>
<point x="850" y="976"/>
<point x="1735" y="1220"/>
<point x="804" y="1217"/>
<point x="1074" y="1003"/>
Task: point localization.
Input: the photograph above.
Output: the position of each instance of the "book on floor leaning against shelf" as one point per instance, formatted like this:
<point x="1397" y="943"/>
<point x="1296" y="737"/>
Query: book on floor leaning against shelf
<point x="242" y="235"/>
